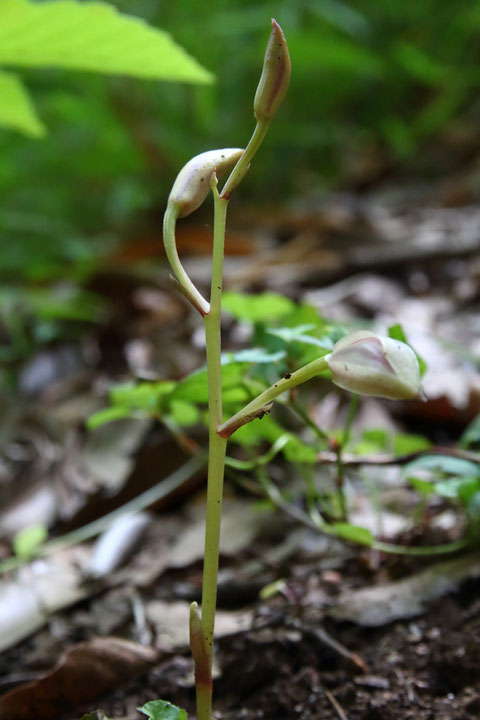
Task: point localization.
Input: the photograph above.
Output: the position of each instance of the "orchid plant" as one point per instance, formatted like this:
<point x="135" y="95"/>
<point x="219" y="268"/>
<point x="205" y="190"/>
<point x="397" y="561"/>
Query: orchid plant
<point x="362" y="363"/>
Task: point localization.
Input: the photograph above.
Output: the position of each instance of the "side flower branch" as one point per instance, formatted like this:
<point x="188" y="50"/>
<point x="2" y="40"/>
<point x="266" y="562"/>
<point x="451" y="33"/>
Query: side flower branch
<point x="363" y="363"/>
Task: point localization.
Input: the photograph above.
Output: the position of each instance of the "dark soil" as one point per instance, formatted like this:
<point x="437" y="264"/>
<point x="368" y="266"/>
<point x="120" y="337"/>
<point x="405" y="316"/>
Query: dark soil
<point x="428" y="668"/>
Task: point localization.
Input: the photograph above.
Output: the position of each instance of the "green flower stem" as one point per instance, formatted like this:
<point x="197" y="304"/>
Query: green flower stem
<point x="241" y="168"/>
<point x="216" y="457"/>
<point x="185" y="284"/>
<point x="260" y="405"/>
<point x="352" y="411"/>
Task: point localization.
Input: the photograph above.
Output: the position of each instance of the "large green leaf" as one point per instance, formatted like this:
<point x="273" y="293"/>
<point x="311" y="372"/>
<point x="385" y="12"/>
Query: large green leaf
<point x="90" y="36"/>
<point x="16" y="109"/>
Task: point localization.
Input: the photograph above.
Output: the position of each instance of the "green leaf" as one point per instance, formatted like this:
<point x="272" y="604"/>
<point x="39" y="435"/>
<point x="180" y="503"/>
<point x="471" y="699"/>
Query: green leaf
<point x="257" y="308"/>
<point x="377" y="437"/>
<point x="420" y="65"/>
<point x="405" y="443"/>
<point x="355" y="533"/>
<point x="258" y="431"/>
<point x="162" y="710"/>
<point x="90" y="36"/>
<point x="378" y="440"/>
<point x="474" y="506"/>
<point x="184" y="413"/>
<point x="298" y="451"/>
<point x="194" y="388"/>
<point x="16" y="108"/>
<point x="65" y="303"/>
<point x="299" y="334"/>
<point x="397" y="333"/>
<point x="27" y="541"/>
<point x="132" y="400"/>
<point x="142" y="396"/>
<point x="268" y="430"/>
<point x="471" y="435"/>
<point x="444" y="464"/>
<point x="340" y="56"/>
<point x="95" y="715"/>
<point x="102" y="417"/>
<point x="461" y="488"/>
<point x="257" y="355"/>
<point x="421" y="486"/>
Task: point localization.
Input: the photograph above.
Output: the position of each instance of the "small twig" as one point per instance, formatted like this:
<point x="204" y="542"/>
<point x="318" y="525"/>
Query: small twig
<point x="321" y="636"/>
<point x="327" y="457"/>
<point x="336" y="705"/>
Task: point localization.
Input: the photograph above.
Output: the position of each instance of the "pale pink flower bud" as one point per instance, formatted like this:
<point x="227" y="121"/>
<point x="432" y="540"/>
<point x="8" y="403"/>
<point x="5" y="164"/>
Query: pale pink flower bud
<point x="275" y="76"/>
<point x="367" y="364"/>
<point x="193" y="181"/>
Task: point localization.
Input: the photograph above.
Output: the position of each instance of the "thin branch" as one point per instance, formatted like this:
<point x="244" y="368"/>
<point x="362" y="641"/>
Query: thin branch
<point x="327" y="457"/>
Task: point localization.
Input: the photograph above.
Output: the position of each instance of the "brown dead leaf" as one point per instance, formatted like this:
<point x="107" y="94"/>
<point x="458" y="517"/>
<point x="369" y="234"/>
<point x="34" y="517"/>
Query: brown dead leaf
<point x="85" y="673"/>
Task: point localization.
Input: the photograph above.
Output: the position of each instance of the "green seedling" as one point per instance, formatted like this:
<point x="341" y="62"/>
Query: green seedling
<point x="362" y="363"/>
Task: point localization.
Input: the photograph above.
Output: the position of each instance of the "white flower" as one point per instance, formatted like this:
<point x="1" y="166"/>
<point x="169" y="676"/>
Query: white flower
<point x="193" y="181"/>
<point x="367" y="364"/>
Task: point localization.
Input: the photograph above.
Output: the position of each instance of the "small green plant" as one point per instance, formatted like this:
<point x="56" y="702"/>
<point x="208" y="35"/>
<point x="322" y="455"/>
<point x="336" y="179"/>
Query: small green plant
<point x="361" y="363"/>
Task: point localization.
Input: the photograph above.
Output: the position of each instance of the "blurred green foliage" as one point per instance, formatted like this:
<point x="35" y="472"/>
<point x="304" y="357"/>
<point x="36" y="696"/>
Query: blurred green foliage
<point x="368" y="77"/>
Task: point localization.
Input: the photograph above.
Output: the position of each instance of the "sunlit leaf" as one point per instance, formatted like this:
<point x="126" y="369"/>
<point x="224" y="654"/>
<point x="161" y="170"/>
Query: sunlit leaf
<point x="90" y="36"/>
<point x="16" y="108"/>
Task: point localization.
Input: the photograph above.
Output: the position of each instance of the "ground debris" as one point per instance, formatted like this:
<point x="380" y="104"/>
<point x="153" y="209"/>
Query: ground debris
<point x="382" y="604"/>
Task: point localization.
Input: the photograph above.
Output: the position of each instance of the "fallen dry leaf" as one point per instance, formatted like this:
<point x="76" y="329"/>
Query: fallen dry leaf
<point x="171" y="621"/>
<point x="38" y="590"/>
<point x="182" y="543"/>
<point x="382" y="604"/>
<point x="85" y="673"/>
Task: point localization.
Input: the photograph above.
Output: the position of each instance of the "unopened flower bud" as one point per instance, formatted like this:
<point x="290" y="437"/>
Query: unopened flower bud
<point x="367" y="364"/>
<point x="275" y="76"/>
<point x="193" y="181"/>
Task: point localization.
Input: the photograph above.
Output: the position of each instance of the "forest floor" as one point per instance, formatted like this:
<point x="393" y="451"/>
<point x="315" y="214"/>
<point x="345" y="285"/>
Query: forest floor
<point x="309" y="627"/>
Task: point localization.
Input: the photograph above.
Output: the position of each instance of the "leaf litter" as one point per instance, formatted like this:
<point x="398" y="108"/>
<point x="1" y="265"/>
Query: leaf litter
<point x="413" y="623"/>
